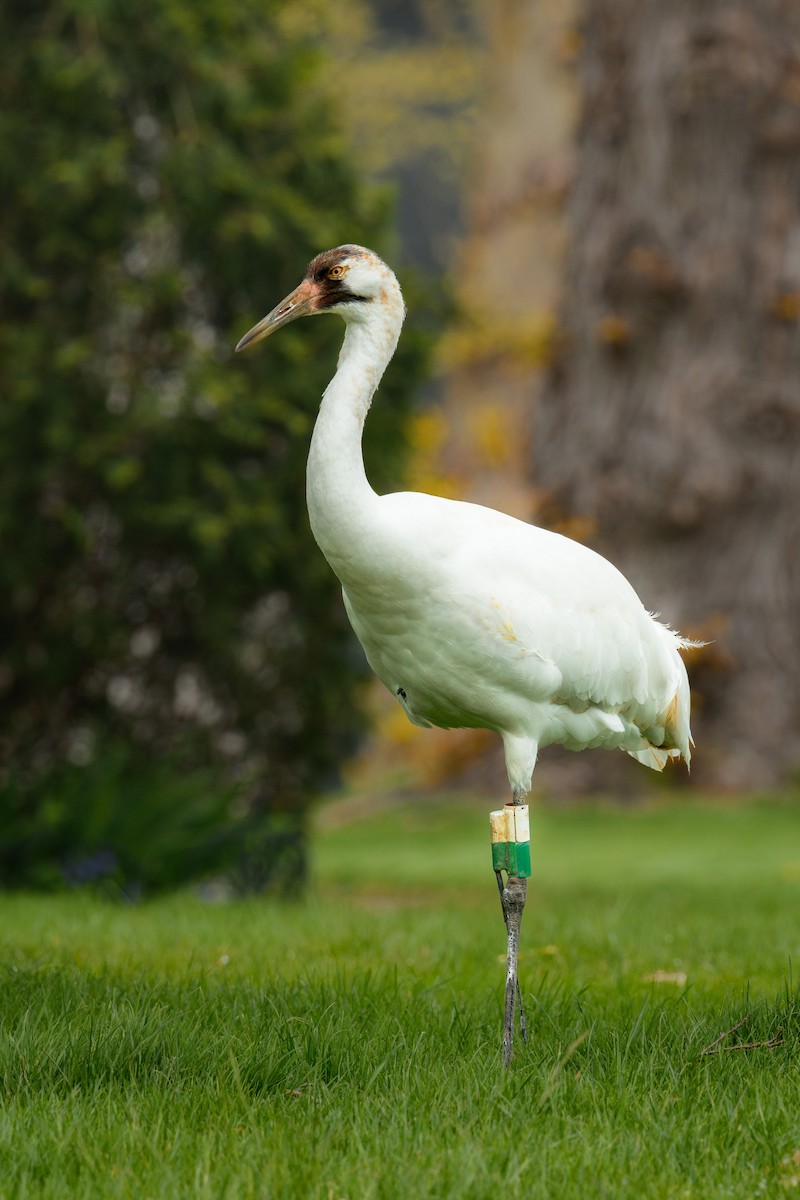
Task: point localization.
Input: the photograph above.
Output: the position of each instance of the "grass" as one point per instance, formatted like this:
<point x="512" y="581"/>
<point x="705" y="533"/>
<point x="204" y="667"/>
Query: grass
<point x="348" y="1046"/>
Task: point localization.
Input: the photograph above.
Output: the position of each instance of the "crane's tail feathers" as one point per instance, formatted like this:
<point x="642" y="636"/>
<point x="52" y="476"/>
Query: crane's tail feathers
<point x="670" y="737"/>
<point x="654" y="757"/>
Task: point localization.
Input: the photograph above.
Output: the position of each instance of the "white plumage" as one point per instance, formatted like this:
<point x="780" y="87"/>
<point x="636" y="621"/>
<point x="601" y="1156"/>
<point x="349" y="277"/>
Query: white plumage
<point x="485" y="621"/>
<point x="470" y="617"/>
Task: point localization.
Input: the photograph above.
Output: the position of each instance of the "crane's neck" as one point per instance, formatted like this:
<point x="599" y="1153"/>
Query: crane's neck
<point x="341" y="503"/>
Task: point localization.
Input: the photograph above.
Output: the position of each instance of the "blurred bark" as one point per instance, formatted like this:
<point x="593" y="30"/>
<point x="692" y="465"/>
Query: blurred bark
<point x="672" y="417"/>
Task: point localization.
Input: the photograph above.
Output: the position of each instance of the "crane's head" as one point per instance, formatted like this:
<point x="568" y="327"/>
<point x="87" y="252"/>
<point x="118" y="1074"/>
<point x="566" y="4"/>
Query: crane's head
<point x="349" y="280"/>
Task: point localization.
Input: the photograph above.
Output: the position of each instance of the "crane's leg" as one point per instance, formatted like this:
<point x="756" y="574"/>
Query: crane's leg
<point x="513" y="906"/>
<point x="511" y="853"/>
<point x="522" y="1026"/>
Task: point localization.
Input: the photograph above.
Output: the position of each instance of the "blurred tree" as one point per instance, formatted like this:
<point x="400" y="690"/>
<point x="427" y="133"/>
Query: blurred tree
<point x="167" y="170"/>
<point x="671" y="421"/>
<point x="414" y="72"/>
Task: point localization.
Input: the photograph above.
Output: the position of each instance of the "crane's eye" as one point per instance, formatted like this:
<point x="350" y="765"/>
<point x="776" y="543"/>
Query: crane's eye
<point x="337" y="272"/>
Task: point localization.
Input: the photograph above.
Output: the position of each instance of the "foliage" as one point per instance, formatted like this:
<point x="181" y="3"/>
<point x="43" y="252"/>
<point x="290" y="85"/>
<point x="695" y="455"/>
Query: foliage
<point x="350" y="1046"/>
<point x="122" y="829"/>
<point x="167" y="170"/>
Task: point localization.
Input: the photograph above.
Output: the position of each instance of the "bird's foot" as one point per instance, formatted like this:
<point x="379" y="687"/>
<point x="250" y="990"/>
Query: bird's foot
<point x="513" y="901"/>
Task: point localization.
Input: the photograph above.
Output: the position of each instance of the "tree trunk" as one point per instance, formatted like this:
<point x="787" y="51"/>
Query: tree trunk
<point x="671" y="422"/>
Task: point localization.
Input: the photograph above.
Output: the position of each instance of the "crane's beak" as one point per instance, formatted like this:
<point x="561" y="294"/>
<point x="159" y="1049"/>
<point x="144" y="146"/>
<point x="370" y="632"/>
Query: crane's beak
<point x="301" y="303"/>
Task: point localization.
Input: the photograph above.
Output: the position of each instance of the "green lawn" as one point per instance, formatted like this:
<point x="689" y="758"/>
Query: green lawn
<point x="348" y="1047"/>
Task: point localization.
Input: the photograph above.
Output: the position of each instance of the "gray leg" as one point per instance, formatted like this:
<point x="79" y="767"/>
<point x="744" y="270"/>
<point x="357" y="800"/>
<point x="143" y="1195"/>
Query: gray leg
<point x="513" y="898"/>
<point x="522" y="1026"/>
